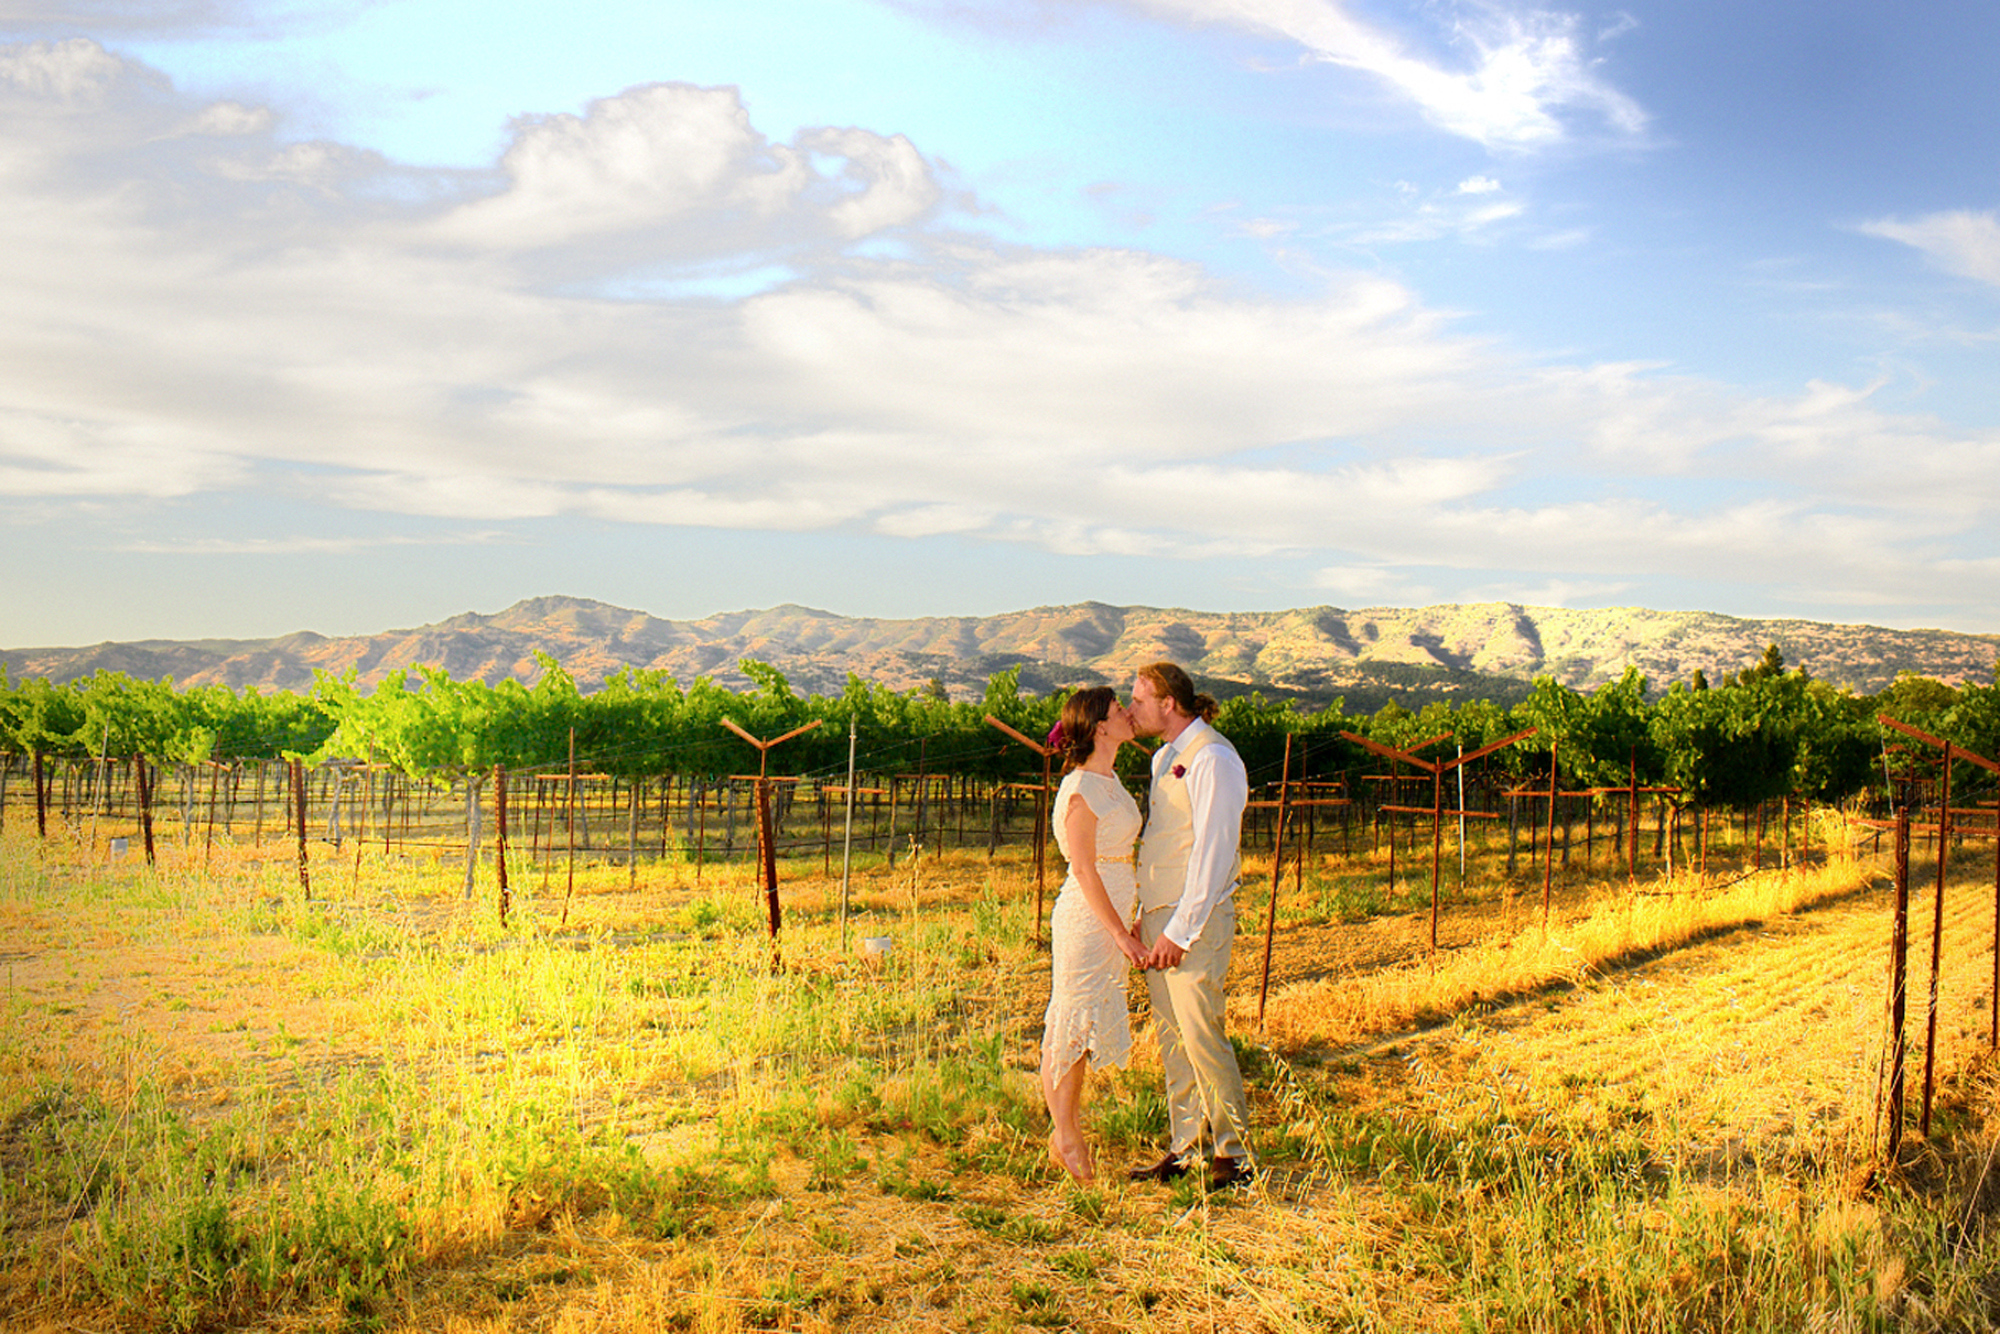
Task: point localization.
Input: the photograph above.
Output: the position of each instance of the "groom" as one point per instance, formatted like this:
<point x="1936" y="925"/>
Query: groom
<point x="1188" y="868"/>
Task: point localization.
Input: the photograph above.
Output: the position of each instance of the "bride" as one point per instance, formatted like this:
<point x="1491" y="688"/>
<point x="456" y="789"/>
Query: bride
<point x="1096" y="823"/>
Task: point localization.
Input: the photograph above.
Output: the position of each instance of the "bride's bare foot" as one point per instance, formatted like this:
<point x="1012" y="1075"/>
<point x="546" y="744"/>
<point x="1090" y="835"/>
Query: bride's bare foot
<point x="1075" y="1162"/>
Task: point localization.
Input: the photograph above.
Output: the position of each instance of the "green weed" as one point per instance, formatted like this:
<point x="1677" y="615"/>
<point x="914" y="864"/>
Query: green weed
<point x="1132" y="1111"/>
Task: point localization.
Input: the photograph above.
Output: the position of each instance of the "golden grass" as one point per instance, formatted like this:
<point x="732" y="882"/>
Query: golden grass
<point x="1624" y="924"/>
<point x="635" y="1124"/>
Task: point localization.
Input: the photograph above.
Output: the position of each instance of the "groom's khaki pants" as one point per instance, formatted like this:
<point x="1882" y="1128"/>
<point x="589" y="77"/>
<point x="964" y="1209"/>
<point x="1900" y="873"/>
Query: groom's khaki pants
<point x="1203" y="1083"/>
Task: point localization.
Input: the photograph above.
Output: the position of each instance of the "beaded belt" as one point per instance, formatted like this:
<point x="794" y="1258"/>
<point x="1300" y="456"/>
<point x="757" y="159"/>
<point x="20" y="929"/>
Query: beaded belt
<point x="1129" y="859"/>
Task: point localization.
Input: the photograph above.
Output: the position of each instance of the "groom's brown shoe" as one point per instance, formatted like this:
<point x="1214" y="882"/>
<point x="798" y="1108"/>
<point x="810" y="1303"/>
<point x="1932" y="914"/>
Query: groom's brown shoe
<point x="1224" y="1173"/>
<point x="1167" y="1169"/>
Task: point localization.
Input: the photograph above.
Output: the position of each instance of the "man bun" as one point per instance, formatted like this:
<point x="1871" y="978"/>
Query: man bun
<point x="1173" y="683"/>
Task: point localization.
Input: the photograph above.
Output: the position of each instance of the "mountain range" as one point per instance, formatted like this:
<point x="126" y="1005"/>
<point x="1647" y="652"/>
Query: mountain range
<point x="1491" y="649"/>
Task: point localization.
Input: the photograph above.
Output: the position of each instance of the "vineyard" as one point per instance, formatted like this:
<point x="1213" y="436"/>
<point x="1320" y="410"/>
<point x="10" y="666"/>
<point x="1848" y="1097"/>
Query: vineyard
<point x="668" y="769"/>
<point x="413" y="1016"/>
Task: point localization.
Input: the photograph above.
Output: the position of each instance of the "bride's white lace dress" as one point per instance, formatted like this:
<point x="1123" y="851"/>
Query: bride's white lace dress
<point x="1087" y="1011"/>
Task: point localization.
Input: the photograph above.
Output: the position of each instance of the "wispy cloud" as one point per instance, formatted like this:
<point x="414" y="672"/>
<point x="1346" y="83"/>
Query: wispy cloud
<point x="1554" y="593"/>
<point x="1567" y="239"/>
<point x="1465" y="214"/>
<point x="175" y="18"/>
<point x="1518" y="75"/>
<point x="1369" y="586"/>
<point x="303" y="545"/>
<point x="1960" y="241"/>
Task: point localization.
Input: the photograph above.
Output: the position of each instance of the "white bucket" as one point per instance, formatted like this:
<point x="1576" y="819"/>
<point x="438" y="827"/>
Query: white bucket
<point x="119" y="847"/>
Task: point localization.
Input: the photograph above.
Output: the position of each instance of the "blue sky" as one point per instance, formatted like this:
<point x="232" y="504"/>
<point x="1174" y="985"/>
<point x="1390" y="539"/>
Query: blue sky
<point x="349" y="316"/>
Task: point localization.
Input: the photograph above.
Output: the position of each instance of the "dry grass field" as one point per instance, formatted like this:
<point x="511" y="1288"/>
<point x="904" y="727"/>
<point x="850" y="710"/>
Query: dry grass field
<point x="225" y="1108"/>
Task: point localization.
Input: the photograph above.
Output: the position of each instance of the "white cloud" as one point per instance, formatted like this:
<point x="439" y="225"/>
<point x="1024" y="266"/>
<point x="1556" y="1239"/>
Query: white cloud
<point x="890" y="183"/>
<point x="931" y="520"/>
<point x="321" y="166"/>
<point x="643" y="158"/>
<point x="60" y="73"/>
<point x="1554" y="593"/>
<point x="219" y="313"/>
<point x="1369" y="586"/>
<point x="304" y="545"/>
<point x="86" y="453"/>
<point x="1960" y="242"/>
<point x="1478" y="185"/>
<point x="1490" y="214"/>
<point x="678" y="172"/>
<point x="229" y="119"/>
<point x="1266" y="229"/>
<point x="153" y="17"/>
<point x="1563" y="240"/>
<point x="1095" y="354"/>
<point x="1436" y="219"/>
<point x="1523" y="69"/>
<point x="773" y="507"/>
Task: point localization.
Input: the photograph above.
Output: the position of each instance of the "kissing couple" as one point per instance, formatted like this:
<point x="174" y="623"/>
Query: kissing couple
<point x="1183" y="881"/>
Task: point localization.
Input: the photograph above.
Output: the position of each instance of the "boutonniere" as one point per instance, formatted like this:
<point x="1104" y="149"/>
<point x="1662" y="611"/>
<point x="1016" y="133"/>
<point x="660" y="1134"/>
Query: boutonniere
<point x="1180" y="771"/>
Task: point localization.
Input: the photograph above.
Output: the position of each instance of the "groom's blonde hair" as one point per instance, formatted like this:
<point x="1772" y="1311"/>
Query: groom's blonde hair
<point x="1173" y="683"/>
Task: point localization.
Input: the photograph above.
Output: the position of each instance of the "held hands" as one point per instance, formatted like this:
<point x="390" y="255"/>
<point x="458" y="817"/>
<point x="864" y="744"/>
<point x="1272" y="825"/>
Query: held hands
<point x="1164" y="954"/>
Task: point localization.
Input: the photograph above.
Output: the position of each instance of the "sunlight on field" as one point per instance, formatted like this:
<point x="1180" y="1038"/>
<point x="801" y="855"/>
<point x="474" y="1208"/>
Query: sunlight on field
<point x="226" y="1106"/>
<point x="1613" y="926"/>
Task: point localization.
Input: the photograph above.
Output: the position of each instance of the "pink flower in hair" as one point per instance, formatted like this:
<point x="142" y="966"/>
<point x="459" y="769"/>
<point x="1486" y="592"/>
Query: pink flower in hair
<point x="1055" y="741"/>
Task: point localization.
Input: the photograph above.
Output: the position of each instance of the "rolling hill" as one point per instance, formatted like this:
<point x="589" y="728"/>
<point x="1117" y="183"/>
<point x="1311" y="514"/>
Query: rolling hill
<point x="1311" y="653"/>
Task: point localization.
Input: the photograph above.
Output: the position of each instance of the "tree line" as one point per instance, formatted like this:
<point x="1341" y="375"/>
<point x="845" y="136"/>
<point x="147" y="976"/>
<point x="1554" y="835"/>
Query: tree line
<point x="1757" y="735"/>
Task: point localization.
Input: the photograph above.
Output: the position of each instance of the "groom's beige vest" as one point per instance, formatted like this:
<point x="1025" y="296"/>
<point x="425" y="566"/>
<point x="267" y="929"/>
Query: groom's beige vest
<point x="1169" y="838"/>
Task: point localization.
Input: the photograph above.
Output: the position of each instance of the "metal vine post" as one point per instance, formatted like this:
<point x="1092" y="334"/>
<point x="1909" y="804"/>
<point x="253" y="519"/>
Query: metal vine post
<point x="847" y="834"/>
<point x="1286" y="807"/>
<point x="1944" y="832"/>
<point x="766" y="844"/>
<point x="1041" y="817"/>
<point x="1437" y="770"/>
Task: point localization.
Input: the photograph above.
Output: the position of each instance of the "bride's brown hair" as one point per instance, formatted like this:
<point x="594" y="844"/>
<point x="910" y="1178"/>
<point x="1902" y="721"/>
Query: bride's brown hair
<point x="1081" y="713"/>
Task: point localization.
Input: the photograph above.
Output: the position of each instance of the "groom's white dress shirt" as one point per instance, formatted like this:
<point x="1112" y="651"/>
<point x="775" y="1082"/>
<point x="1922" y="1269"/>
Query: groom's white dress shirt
<point x="1217" y="788"/>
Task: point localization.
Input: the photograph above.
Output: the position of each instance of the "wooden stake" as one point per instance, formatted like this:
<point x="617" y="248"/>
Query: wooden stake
<point x="1549" y="853"/>
<point x="299" y="820"/>
<point x="500" y="835"/>
<point x="1277" y="865"/>
<point x="571" y="887"/>
<point x="1937" y="942"/>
